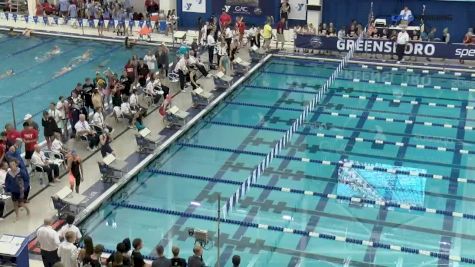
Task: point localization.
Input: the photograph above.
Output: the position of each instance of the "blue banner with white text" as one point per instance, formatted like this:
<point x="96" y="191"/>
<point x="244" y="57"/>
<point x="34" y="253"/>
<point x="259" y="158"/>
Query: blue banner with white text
<point x="377" y="46"/>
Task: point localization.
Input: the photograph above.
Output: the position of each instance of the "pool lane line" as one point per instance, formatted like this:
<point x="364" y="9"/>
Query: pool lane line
<point x="334" y="163"/>
<point x="27" y="49"/>
<point x="377" y="99"/>
<point x="416" y="86"/>
<point x="106" y="53"/>
<point x="401" y="70"/>
<point x="355" y="116"/>
<point x="326" y="236"/>
<point x="356" y="139"/>
<point x="351" y="200"/>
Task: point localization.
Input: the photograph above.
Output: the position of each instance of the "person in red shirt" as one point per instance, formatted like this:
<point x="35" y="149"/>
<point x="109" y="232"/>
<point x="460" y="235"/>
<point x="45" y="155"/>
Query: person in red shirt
<point x="241" y="28"/>
<point x="3" y="149"/>
<point x="224" y="20"/>
<point x="12" y="135"/>
<point x="30" y="138"/>
<point x="130" y="70"/>
<point x="280" y="33"/>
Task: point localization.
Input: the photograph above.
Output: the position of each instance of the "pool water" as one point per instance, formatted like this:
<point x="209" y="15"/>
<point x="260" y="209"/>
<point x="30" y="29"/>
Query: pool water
<point x="36" y="82"/>
<point x="370" y="121"/>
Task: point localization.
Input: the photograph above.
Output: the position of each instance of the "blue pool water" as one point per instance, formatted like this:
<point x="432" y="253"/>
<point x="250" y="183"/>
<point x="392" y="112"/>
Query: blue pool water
<point x="422" y="130"/>
<point x="34" y="84"/>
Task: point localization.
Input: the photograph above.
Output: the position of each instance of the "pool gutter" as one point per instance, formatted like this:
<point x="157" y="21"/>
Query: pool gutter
<point x="123" y="181"/>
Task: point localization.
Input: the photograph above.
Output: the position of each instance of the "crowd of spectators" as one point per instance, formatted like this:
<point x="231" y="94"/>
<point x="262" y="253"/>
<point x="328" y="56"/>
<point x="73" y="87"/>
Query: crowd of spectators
<point x="68" y="248"/>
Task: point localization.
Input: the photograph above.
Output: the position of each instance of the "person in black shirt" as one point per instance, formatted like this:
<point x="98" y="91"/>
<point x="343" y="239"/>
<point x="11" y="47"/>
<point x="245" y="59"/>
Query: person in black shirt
<point x="87" y="88"/>
<point x="121" y="248"/>
<point x="142" y="72"/>
<point x="137" y="257"/>
<point x="177" y="261"/>
<point x="94" y="260"/>
<point x="126" y="82"/>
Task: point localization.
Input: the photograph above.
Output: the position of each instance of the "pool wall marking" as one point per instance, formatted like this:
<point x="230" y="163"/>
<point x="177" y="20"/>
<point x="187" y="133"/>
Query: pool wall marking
<point x="362" y="242"/>
<point x="94" y="205"/>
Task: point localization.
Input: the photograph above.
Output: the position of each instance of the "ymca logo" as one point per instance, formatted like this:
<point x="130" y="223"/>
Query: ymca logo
<point x="299" y="7"/>
<point x="227" y="8"/>
<point x="199" y="2"/>
<point x="188" y="6"/>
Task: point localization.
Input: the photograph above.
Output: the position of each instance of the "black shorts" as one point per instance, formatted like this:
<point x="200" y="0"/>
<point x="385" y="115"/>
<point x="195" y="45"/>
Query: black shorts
<point x="106" y="149"/>
<point x="284" y="15"/>
<point x="28" y="154"/>
<point x="16" y="196"/>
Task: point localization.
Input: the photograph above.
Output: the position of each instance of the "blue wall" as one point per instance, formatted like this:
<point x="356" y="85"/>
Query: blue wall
<point x="213" y="7"/>
<point x="457" y="16"/>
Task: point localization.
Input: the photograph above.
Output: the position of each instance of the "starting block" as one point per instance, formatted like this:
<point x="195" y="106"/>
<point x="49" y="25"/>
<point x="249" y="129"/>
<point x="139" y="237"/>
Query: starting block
<point x="200" y="97"/>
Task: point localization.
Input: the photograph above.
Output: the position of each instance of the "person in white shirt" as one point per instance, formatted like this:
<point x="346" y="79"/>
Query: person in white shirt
<point x="83" y="129"/>
<point x="70" y="227"/>
<point x="405" y="15"/>
<point x="42" y="163"/>
<point x="211" y="44"/>
<point x="127" y="111"/>
<point x="228" y="36"/>
<point x="3" y="176"/>
<point x="181" y="68"/>
<point x="401" y="42"/>
<point x="61" y="107"/>
<point x="203" y="32"/>
<point x="68" y="252"/>
<point x="154" y="89"/>
<point x="193" y="61"/>
<point x="49" y="243"/>
<point x="57" y="146"/>
<point x="150" y="60"/>
<point x="99" y="121"/>
<point x="55" y="114"/>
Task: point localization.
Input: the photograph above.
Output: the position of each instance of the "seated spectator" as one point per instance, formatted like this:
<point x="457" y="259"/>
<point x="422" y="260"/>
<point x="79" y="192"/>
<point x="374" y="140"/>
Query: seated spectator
<point x="42" y="163"/>
<point x="139" y="122"/>
<point x="161" y="260"/>
<point x="446" y="36"/>
<point x="406" y="16"/>
<point x="153" y="89"/>
<point x="70" y="227"/>
<point x="176" y="260"/>
<point x="105" y="140"/>
<point x="142" y="72"/>
<point x="193" y="61"/>
<point x="83" y="129"/>
<point x="127" y="112"/>
<point x="99" y="122"/>
<point x="57" y="146"/>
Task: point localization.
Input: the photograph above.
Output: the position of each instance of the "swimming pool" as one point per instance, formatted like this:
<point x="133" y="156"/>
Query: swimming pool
<point x="36" y="83"/>
<point x="379" y="173"/>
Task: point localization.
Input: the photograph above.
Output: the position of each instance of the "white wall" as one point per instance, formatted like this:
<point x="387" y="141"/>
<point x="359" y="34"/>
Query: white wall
<point x="166" y="5"/>
<point x="314" y="17"/>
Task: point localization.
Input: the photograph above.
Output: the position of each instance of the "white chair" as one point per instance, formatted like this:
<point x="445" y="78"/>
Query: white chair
<point x="56" y="158"/>
<point x="37" y="169"/>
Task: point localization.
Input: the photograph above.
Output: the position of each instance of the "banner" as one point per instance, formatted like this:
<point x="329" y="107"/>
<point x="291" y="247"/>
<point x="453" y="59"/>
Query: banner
<point x="194" y="6"/>
<point x="245" y="7"/>
<point x="420" y="49"/>
<point x="298" y="9"/>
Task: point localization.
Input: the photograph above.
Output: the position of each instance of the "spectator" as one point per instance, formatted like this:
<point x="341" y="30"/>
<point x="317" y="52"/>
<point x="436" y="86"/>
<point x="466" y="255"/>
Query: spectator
<point x="228" y="37"/>
<point x="197" y="259"/>
<point x="284" y="12"/>
<point x="28" y="118"/>
<point x="72" y="10"/>
<point x="126" y="111"/>
<point x="161" y="260"/>
<point x="67" y="251"/>
<point x="241" y="29"/>
<point x="446" y="36"/>
<point x="41" y="163"/>
<point x="153" y="89"/>
<point x="194" y="47"/>
<point x="280" y="33"/>
<point x="57" y="146"/>
<point x="137" y="257"/>
<point x="14" y="154"/>
<point x="406" y="16"/>
<point x="70" y="227"/>
<point x="95" y="259"/>
<point x="181" y="68"/>
<point x="30" y="138"/>
<point x="105" y="140"/>
<point x="224" y="19"/>
<point x="163" y="60"/>
<point x="83" y="129"/>
<point x="62" y="107"/>
<point x="63" y="8"/>
<point x="431" y="36"/>
<point x="267" y="34"/>
<point x="17" y="183"/>
<point x="99" y="121"/>
<point x="49" y="243"/>
<point x="3" y="176"/>
<point x="142" y="72"/>
<point x="402" y="40"/>
<point x="55" y="114"/>
<point x="3" y="145"/>
<point x="176" y="261"/>
<point x="150" y="60"/>
<point x="49" y="128"/>
<point x="341" y="33"/>
<point x="121" y="249"/>
<point x="222" y="50"/>
<point x="11" y="134"/>
<point x="75" y="170"/>
<point x="236" y="260"/>
<point x="211" y="41"/>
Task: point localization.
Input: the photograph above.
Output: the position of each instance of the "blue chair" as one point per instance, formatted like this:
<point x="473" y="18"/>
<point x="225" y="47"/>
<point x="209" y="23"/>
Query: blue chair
<point x="162" y="26"/>
<point x="395" y="19"/>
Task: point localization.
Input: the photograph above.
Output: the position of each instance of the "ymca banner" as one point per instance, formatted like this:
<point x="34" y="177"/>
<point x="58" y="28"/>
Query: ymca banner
<point x="421" y="49"/>
<point x="194" y="6"/>
<point x="298" y="9"/>
<point x="243" y="7"/>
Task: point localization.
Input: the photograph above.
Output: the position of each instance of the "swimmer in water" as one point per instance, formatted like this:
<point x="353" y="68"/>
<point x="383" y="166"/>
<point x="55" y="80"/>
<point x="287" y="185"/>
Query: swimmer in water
<point x="55" y="51"/>
<point x="63" y="71"/>
<point x="7" y="73"/>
